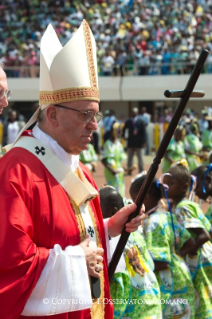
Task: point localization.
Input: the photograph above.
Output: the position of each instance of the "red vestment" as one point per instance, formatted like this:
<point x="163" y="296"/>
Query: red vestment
<point x="36" y="214"/>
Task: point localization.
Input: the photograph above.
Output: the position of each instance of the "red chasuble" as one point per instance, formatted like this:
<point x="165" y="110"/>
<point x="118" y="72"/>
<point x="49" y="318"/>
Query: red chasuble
<point x="35" y="214"/>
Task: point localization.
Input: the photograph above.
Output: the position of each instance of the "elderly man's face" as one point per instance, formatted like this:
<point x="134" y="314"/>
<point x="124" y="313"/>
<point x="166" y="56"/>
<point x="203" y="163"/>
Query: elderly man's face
<point x="3" y="88"/>
<point x="73" y="134"/>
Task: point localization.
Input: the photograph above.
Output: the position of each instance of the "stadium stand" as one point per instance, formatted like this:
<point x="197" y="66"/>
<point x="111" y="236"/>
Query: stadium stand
<point x="137" y="37"/>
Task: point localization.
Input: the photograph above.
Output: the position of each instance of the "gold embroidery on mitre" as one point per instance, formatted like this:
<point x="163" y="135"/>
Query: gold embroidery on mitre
<point x="89" y="51"/>
<point x="69" y="94"/>
<point x="98" y="307"/>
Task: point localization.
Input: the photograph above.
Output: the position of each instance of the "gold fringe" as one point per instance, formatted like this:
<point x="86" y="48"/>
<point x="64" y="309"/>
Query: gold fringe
<point x="69" y="94"/>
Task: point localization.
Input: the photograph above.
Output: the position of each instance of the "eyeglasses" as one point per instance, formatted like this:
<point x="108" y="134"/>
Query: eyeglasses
<point x="6" y="93"/>
<point x="86" y="116"/>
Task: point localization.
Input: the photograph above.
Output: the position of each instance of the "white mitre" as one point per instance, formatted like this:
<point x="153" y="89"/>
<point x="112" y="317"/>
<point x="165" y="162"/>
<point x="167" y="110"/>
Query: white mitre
<point x="67" y="73"/>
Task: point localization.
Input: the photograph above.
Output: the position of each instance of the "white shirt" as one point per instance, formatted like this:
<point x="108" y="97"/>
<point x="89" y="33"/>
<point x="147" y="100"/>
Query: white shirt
<point x="12" y="132"/>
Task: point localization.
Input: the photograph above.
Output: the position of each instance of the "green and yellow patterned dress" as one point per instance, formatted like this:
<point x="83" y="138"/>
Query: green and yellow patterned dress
<point x="189" y="215"/>
<point x="114" y="153"/>
<point x="207" y="139"/>
<point x="88" y="156"/>
<point x="175" y="151"/>
<point x="192" y="144"/>
<point x="135" y="292"/>
<point x="208" y="214"/>
<point x="177" y="290"/>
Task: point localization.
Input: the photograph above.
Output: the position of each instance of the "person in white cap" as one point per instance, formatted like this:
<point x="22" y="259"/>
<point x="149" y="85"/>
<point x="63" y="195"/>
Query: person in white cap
<point x="53" y="239"/>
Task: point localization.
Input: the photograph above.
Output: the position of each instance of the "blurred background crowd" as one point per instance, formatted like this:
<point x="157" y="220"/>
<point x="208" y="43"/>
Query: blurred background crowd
<point x="134" y="37"/>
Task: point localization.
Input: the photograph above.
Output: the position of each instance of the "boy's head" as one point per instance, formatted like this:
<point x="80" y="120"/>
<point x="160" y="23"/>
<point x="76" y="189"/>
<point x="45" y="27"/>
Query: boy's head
<point x="179" y="181"/>
<point x="204" y="181"/>
<point x="110" y="201"/>
<point x="178" y="134"/>
<point x="156" y="191"/>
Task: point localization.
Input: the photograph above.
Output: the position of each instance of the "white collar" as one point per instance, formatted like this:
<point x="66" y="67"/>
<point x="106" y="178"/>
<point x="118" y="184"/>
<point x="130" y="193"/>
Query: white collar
<point x="72" y="161"/>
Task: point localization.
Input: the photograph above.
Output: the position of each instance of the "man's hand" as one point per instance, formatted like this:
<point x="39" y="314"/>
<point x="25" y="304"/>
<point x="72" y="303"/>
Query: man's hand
<point x="118" y="221"/>
<point x="93" y="257"/>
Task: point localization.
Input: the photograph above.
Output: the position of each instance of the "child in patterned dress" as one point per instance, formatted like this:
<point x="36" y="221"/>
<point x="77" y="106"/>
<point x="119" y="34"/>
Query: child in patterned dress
<point x="167" y="243"/>
<point x="175" y="150"/>
<point x="190" y="216"/>
<point x="112" y="158"/>
<point x="193" y="146"/>
<point x="134" y="287"/>
<point x="89" y="158"/>
<point x="204" y="186"/>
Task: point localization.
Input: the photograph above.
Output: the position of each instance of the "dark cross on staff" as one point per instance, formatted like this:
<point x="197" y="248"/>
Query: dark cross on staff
<point x="40" y="150"/>
<point x="90" y="231"/>
<point x="184" y="95"/>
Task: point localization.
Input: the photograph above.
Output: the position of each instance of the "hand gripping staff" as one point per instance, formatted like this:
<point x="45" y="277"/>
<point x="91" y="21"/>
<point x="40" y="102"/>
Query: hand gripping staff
<point x="184" y="97"/>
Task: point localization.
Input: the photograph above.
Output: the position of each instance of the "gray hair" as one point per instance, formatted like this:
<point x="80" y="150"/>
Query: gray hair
<point x="42" y="116"/>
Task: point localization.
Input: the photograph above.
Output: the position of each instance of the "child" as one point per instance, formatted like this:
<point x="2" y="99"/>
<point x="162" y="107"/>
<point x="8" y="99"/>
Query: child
<point x="192" y="147"/>
<point x="113" y="155"/>
<point x="192" y="218"/>
<point x="204" y="186"/>
<point x="175" y="150"/>
<point x="89" y="158"/>
<point x="163" y="236"/>
<point x="135" y="283"/>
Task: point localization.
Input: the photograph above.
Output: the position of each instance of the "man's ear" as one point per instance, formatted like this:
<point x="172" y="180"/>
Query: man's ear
<point x="52" y="116"/>
<point x="209" y="181"/>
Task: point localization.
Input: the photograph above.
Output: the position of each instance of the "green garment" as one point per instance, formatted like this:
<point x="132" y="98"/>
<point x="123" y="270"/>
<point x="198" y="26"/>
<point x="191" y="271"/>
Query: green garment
<point x="175" y="151"/>
<point x="89" y="155"/>
<point x="190" y="215"/>
<point x="192" y="144"/>
<point x="114" y="153"/>
<point x="208" y="214"/>
<point x="207" y="139"/>
<point x="177" y="290"/>
<point x="137" y="286"/>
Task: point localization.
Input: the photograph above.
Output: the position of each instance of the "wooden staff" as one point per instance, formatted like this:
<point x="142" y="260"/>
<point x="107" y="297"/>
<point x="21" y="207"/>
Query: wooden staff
<point x="184" y="95"/>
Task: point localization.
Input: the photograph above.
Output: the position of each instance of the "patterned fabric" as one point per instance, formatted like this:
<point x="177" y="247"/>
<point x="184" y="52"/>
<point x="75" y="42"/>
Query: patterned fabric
<point x="177" y="291"/>
<point x="114" y="153"/>
<point x="175" y="151"/>
<point x="89" y="155"/>
<point x="190" y="216"/>
<point x="137" y="286"/>
<point x="207" y="139"/>
<point x="208" y="214"/>
<point x="192" y="144"/>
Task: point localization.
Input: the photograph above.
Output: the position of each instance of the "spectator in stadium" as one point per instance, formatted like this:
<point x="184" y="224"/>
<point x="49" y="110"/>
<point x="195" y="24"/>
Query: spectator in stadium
<point x="107" y="64"/>
<point x="179" y="27"/>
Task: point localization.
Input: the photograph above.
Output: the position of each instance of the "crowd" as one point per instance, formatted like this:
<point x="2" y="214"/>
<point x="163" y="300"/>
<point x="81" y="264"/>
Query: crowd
<point x="133" y="36"/>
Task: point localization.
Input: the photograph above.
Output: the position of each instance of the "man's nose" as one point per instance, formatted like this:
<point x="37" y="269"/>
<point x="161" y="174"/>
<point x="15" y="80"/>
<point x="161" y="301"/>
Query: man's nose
<point x="4" y="101"/>
<point x="93" y="124"/>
